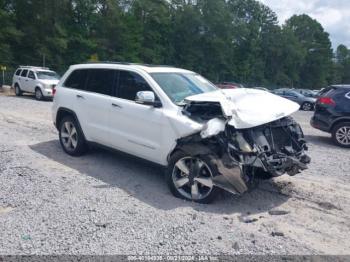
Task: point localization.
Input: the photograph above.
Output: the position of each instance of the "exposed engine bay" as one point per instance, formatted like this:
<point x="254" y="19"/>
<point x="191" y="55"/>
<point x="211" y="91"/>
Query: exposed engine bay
<point x="239" y="154"/>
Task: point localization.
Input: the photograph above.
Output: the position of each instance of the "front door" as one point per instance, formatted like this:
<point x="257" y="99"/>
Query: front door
<point x="135" y="128"/>
<point x="31" y="84"/>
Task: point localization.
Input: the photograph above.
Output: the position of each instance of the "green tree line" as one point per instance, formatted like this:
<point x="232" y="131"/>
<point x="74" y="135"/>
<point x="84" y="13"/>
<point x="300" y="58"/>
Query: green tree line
<point x="224" y="40"/>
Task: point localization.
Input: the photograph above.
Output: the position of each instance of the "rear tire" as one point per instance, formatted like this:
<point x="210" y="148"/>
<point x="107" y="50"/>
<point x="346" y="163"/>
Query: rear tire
<point x="197" y="188"/>
<point x="71" y="137"/>
<point x="341" y="134"/>
<point x="18" y="90"/>
<point x="307" y="106"/>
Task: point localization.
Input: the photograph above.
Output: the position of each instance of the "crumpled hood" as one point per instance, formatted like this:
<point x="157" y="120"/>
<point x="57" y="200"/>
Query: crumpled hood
<point x="247" y="108"/>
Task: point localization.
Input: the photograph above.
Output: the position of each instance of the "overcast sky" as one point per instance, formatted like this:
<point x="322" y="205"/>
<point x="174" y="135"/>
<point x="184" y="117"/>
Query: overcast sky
<point x="334" y="15"/>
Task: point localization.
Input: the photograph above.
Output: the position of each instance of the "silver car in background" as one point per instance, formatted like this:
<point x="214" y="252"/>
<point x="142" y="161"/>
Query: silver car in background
<point x="306" y="103"/>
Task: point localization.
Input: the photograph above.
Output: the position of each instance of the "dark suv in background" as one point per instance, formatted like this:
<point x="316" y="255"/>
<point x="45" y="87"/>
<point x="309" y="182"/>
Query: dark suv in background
<point x="332" y="113"/>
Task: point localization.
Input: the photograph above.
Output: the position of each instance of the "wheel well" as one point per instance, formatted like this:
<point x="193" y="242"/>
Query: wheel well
<point x="62" y="113"/>
<point x="343" y="120"/>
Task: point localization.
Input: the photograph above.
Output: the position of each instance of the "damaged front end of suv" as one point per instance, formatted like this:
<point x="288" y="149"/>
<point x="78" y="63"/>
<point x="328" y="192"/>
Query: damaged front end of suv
<point x="245" y="133"/>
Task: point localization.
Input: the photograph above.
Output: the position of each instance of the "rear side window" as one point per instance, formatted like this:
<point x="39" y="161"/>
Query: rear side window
<point x="101" y="81"/>
<point x="24" y="73"/>
<point x="130" y="83"/>
<point x="77" y="79"/>
<point x="18" y="72"/>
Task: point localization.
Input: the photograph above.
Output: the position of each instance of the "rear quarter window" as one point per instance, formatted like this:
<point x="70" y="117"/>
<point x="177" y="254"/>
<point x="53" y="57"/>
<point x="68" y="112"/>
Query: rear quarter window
<point x="18" y="72"/>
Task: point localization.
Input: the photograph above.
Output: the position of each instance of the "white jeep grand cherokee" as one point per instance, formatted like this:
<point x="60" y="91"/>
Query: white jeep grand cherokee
<point x="36" y="80"/>
<point x="206" y="138"/>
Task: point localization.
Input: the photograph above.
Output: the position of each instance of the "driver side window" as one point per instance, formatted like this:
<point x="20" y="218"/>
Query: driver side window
<point x="31" y="75"/>
<point x="129" y="84"/>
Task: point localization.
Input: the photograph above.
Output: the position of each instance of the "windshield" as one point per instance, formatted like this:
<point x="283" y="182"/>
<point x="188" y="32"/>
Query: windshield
<point x="178" y="86"/>
<point x="47" y="75"/>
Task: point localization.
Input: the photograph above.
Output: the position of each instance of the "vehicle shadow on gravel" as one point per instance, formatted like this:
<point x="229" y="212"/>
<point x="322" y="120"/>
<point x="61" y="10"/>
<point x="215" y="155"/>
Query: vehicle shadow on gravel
<point x="323" y="141"/>
<point x="146" y="182"/>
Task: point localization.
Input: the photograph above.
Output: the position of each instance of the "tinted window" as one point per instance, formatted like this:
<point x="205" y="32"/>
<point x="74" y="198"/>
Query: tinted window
<point x="100" y="81"/>
<point x="18" y="72"/>
<point x="24" y="73"/>
<point x="31" y="75"/>
<point x="130" y="83"/>
<point x="77" y="79"/>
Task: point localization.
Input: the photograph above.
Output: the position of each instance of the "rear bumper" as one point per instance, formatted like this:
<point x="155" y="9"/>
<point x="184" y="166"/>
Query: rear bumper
<point x="319" y="124"/>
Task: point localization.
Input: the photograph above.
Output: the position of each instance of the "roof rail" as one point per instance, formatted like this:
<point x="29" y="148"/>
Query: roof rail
<point x="126" y="63"/>
<point x="110" y="62"/>
<point x="34" y="67"/>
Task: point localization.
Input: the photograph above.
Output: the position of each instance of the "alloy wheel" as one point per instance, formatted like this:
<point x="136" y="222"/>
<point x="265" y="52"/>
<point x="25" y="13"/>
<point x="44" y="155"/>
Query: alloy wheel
<point x="192" y="178"/>
<point x="307" y="106"/>
<point x="343" y="135"/>
<point x="69" y="136"/>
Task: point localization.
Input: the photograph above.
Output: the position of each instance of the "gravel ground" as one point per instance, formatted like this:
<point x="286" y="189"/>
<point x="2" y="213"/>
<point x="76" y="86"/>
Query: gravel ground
<point x="109" y="203"/>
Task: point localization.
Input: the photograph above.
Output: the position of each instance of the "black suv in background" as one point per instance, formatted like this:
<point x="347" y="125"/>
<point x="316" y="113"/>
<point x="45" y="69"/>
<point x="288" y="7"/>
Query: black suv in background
<point x="332" y="113"/>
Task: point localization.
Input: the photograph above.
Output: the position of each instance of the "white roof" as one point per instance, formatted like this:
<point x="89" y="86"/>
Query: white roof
<point x="126" y="66"/>
<point x="35" y="68"/>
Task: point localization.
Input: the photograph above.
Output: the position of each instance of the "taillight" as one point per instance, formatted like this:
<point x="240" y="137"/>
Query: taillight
<point x="326" y="101"/>
<point x="53" y="90"/>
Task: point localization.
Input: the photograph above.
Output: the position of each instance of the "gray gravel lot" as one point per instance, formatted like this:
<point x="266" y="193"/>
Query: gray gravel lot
<point x="109" y="203"/>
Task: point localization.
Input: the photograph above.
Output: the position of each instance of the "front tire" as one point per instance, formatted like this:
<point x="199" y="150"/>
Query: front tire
<point x="341" y="134"/>
<point x="18" y="90"/>
<point x="71" y="137"/>
<point x="191" y="178"/>
<point x="38" y="94"/>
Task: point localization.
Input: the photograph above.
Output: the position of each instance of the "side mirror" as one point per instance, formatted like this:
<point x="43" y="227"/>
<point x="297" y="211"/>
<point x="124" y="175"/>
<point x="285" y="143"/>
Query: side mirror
<point x="147" y="98"/>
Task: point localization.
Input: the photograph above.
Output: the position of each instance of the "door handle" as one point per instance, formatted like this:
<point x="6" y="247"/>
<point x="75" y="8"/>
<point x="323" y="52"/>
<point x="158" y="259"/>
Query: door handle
<point x="116" y="105"/>
<point x="80" y="96"/>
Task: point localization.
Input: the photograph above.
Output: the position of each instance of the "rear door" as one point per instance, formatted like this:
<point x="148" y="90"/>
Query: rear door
<point x="23" y="80"/>
<point x="92" y="94"/>
<point x="135" y="128"/>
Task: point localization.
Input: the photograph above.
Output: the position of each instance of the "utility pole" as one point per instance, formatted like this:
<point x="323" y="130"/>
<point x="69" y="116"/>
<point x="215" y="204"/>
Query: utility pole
<point x="3" y="69"/>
